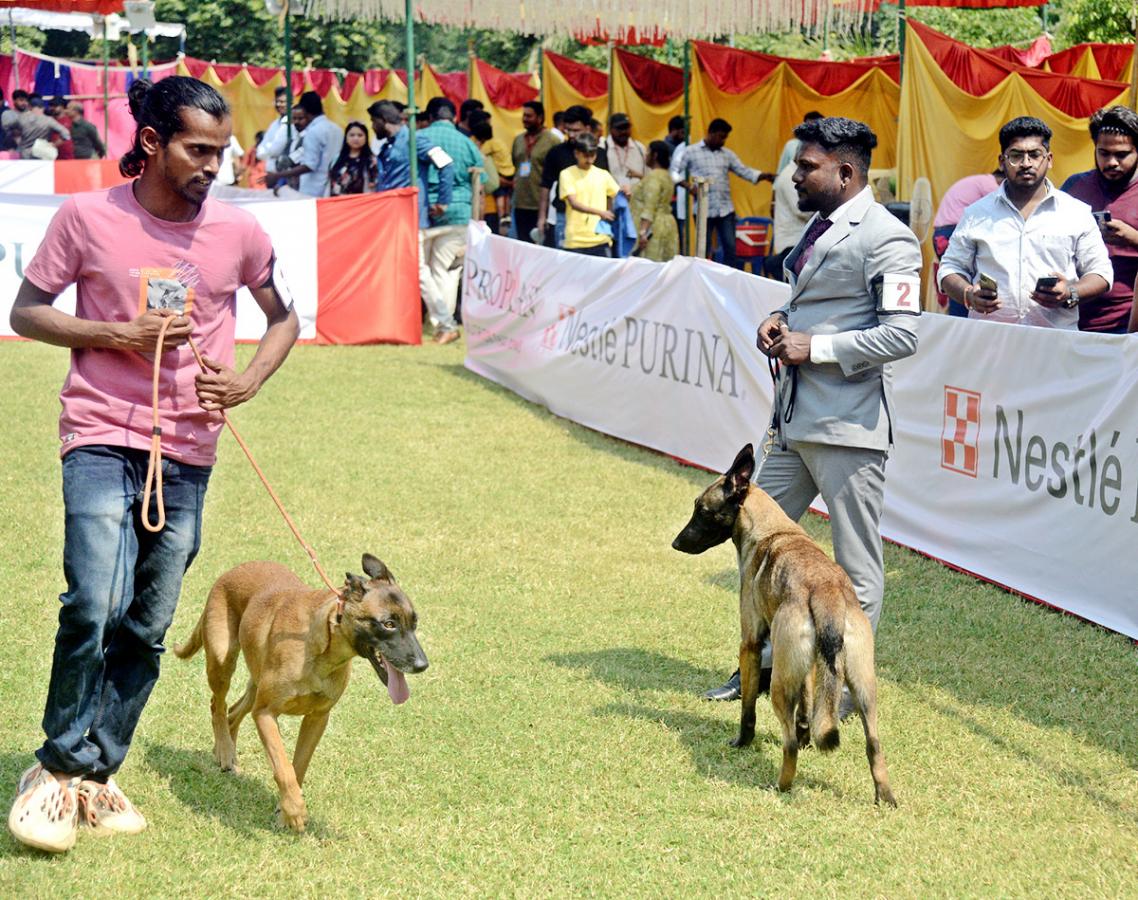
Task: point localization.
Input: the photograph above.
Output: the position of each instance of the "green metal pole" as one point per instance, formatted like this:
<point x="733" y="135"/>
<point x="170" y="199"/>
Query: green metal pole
<point x="686" y="224"/>
<point x="541" y="74"/>
<point x="412" y="146"/>
<point x="145" y="55"/>
<point x="612" y="54"/>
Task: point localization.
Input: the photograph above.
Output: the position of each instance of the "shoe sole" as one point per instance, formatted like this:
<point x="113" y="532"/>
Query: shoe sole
<point x="29" y="841"/>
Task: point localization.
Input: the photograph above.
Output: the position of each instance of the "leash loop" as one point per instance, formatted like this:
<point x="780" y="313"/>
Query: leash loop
<point x="154" y="470"/>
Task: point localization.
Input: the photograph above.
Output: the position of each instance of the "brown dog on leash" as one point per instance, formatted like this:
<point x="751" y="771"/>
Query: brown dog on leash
<point x="298" y="645"/>
<point x="791" y="592"/>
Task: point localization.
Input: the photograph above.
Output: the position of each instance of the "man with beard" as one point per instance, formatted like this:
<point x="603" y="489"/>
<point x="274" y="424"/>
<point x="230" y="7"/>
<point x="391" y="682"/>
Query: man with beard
<point x="1111" y="189"/>
<point x="1040" y="246"/>
<point x="529" y="152"/>
<point x="854" y="300"/>
<point x="152" y="253"/>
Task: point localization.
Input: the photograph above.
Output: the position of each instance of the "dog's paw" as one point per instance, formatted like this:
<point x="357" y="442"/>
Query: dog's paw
<point x="294" y="821"/>
<point x="743" y="739"/>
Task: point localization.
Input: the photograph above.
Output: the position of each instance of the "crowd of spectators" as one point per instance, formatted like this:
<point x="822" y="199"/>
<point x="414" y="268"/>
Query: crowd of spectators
<point x="1011" y="246"/>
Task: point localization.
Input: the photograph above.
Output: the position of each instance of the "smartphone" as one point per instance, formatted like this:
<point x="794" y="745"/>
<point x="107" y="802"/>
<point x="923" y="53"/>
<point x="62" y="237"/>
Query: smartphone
<point x="1046" y="283"/>
<point x="1101" y="215"/>
<point x="987" y="282"/>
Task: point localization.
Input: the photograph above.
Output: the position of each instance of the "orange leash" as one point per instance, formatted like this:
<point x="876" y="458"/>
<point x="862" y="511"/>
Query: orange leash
<point x="154" y="470"/>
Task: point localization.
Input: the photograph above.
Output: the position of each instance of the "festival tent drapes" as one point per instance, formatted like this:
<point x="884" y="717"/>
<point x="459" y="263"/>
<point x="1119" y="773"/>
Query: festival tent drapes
<point x="1032" y="56"/>
<point x="732" y="84"/>
<point x="502" y="95"/>
<point x="566" y="83"/>
<point x="649" y="92"/>
<point x="954" y="100"/>
<point x="100" y="7"/>
<point x="50" y="76"/>
<point x="250" y="91"/>
<point x="1110" y="62"/>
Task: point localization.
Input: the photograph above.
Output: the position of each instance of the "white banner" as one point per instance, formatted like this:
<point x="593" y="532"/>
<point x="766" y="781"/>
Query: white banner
<point x="291" y="224"/>
<point x="1017" y="447"/>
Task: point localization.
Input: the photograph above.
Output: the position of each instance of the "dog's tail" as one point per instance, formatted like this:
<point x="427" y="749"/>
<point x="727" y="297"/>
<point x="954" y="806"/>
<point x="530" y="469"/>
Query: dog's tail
<point x="193" y="644"/>
<point x="828" y="610"/>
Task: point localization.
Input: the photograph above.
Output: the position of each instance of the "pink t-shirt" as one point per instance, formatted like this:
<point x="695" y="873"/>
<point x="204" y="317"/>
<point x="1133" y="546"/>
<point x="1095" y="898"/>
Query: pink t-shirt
<point x="118" y="255"/>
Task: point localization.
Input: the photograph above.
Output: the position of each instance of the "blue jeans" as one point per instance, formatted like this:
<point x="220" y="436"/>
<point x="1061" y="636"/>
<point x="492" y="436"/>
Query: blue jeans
<point x="122" y="587"/>
<point x="723" y="227"/>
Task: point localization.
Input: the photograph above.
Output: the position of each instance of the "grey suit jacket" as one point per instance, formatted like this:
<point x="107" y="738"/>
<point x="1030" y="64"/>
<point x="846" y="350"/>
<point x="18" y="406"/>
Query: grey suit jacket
<point x="838" y="293"/>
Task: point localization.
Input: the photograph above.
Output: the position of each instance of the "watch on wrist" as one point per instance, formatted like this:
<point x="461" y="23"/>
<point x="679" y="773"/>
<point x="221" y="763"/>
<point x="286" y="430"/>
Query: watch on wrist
<point x="1072" y="301"/>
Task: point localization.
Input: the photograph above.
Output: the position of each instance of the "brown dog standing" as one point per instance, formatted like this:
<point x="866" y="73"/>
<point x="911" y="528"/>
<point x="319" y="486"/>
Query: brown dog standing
<point x="298" y="646"/>
<point x="791" y="592"/>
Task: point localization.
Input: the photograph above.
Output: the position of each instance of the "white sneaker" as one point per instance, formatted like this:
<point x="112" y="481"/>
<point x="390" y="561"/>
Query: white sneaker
<point x="45" y="814"/>
<point x="106" y="810"/>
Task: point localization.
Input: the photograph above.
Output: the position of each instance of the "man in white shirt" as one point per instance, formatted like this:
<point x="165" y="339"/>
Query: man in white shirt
<point x="627" y="157"/>
<point x="319" y="150"/>
<point x="1041" y="247"/>
<point x="789" y="221"/>
<point x="274" y="142"/>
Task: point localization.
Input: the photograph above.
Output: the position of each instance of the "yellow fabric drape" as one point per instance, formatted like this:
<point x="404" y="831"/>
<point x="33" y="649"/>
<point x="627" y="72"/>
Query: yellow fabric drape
<point x="253" y="108"/>
<point x="758" y="140"/>
<point x="649" y="120"/>
<point x="507" y="123"/>
<point x="559" y="94"/>
<point x="946" y="133"/>
<point x="427" y="87"/>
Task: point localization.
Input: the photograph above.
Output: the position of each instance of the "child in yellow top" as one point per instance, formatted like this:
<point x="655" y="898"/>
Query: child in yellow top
<point x="588" y="192"/>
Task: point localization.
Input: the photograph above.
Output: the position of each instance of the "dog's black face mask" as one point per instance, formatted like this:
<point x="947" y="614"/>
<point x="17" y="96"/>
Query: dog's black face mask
<point x="717" y="508"/>
<point x="381" y="623"/>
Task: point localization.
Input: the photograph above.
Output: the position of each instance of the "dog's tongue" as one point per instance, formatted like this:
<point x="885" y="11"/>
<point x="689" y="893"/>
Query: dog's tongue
<point x="397" y="688"/>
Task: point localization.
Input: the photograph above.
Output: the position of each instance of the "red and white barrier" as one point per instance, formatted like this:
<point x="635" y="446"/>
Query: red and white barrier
<point x="351" y="262"/>
<point x="1017" y="447"/>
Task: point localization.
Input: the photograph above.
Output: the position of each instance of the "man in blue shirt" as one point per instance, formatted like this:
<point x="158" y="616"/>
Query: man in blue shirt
<point x="394" y="160"/>
<point x="320" y="147"/>
<point x="442" y="243"/>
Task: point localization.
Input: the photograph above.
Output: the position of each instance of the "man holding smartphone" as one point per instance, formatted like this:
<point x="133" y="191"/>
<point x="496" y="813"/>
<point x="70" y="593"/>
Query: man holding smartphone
<point x="1111" y="190"/>
<point x="1041" y="249"/>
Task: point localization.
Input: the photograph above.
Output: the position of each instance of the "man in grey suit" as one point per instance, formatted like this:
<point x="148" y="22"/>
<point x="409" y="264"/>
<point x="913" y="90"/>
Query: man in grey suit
<point x="854" y="302"/>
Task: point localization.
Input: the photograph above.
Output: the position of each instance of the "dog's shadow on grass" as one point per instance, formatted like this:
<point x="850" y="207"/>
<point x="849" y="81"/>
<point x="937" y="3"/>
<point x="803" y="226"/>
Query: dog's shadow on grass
<point x="641" y="672"/>
<point x="236" y="801"/>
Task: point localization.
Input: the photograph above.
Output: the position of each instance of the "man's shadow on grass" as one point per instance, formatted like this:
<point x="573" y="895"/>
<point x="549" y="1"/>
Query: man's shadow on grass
<point x="707" y="738"/>
<point x="235" y="801"/>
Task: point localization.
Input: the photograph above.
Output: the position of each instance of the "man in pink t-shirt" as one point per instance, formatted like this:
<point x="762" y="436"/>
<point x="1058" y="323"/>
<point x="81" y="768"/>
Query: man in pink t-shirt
<point x="152" y="252"/>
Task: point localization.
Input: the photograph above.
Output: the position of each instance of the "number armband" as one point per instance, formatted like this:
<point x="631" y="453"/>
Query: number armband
<point x="896" y="292"/>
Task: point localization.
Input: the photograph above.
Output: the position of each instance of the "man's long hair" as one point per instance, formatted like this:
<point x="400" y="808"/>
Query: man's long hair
<point x="159" y="106"/>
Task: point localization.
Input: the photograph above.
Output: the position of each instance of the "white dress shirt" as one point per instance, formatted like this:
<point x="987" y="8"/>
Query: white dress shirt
<point x="993" y="238"/>
<point x="320" y="149"/>
<point x="789" y="220"/>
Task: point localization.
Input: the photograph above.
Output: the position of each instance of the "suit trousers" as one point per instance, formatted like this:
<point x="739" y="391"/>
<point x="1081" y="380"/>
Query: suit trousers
<point x="852" y="482"/>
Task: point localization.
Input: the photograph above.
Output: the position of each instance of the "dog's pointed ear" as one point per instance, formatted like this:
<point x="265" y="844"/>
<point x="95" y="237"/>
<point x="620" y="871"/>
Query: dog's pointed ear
<point x="739" y="475"/>
<point x="354" y="587"/>
<point x="375" y="568"/>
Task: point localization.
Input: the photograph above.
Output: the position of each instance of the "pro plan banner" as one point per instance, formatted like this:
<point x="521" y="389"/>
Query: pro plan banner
<point x="662" y="355"/>
<point x="350" y="263"/>
<point x="1016" y="452"/>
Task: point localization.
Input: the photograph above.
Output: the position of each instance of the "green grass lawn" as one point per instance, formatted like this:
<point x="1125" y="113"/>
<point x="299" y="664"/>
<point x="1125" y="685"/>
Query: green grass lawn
<point x="557" y="746"/>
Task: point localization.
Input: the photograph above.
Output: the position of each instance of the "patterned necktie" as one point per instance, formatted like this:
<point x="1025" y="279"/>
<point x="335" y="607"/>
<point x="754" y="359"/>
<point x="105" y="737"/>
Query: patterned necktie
<point x="814" y="232"/>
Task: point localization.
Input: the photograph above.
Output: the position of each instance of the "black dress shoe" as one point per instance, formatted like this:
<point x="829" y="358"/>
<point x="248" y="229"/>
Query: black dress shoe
<point x="732" y="690"/>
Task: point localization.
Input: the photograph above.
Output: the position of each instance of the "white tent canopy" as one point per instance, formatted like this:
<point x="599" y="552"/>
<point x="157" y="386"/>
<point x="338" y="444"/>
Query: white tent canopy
<point x="93" y="25"/>
<point x="614" y="18"/>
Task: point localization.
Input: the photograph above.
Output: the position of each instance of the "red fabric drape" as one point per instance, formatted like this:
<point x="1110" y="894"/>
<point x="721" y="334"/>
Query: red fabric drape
<point x="1039" y="50"/>
<point x="505" y="90"/>
<point x="654" y="82"/>
<point x="1113" y="60"/>
<point x="368" y="278"/>
<point x="738" y="71"/>
<point x="322" y="80"/>
<point x="453" y="84"/>
<point x="102" y="7"/>
<point x="585" y="80"/>
<point x="977" y="72"/>
<point x="75" y="175"/>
